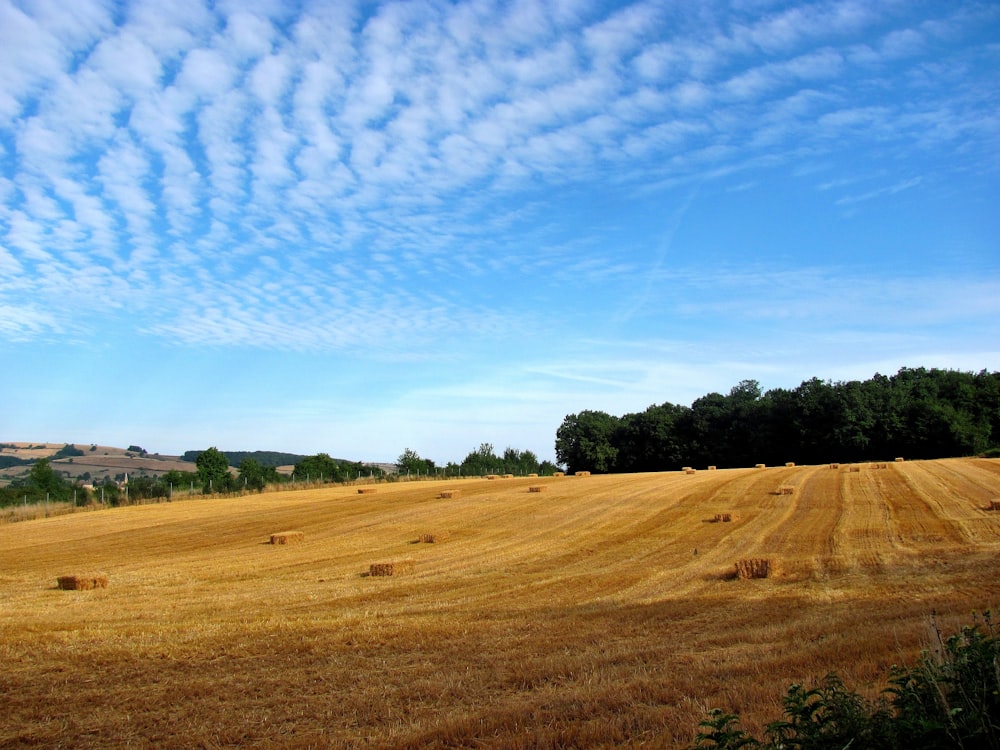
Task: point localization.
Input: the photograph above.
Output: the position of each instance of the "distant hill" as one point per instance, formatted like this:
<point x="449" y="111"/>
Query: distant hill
<point x="85" y="461"/>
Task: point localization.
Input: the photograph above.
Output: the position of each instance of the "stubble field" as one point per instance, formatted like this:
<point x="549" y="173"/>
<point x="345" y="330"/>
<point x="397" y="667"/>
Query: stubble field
<point x="600" y="611"/>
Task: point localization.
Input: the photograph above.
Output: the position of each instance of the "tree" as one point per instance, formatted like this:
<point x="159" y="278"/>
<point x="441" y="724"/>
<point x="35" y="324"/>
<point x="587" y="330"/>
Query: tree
<point x="252" y="475"/>
<point x="585" y="441"/>
<point x="213" y="470"/>
<point x="47" y="482"/>
<point x="410" y="462"/>
<point x="318" y="468"/>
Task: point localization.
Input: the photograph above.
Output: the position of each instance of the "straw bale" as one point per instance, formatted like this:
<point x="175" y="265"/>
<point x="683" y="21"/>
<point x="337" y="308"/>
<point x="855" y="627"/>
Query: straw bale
<point x="711" y="468"/>
<point x="491" y="476"/>
<point x="722" y="518"/>
<point x="435" y="538"/>
<point x="367" y="490"/>
<point x="532" y="475"/>
<point x="789" y="464"/>
<point x="834" y="466"/>
<point x="754" y="568"/>
<point x="83" y="582"/>
<point x="899" y="459"/>
<point x="760" y="466"/>
<point x="449" y="494"/>
<point x="507" y="476"/>
<point x="583" y="473"/>
<point x="537" y="488"/>
<point x="784" y="490"/>
<point x="686" y="468"/>
<point x="994" y="505"/>
<point x="288" y="537"/>
<point x="558" y="473"/>
<point x="689" y="471"/>
<point x="855" y="468"/>
<point x="396" y="568"/>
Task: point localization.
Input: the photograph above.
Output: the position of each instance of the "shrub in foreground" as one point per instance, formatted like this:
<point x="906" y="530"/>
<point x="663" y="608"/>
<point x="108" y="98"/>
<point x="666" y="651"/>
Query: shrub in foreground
<point x="949" y="699"/>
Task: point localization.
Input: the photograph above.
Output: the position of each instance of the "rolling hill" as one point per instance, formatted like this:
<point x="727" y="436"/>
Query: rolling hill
<point x="593" y="611"/>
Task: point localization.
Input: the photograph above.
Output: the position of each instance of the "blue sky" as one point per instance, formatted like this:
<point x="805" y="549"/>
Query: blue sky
<point x="356" y="228"/>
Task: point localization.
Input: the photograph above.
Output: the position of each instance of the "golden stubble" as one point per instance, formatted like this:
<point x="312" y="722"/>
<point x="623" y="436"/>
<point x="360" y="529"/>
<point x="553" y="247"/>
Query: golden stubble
<point x="603" y="611"/>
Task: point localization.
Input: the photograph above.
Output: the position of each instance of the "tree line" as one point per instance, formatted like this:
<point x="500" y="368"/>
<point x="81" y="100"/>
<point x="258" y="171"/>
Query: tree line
<point x="478" y="462"/>
<point x="917" y="413"/>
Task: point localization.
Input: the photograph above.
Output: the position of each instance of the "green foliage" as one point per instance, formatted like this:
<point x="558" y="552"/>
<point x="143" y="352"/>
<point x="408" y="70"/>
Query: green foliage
<point x="950" y="698"/>
<point x="213" y="470"/>
<point x="67" y="451"/>
<point x="319" y="468"/>
<point x="410" y="462"/>
<point x="916" y="413"/>
<point x="254" y="476"/>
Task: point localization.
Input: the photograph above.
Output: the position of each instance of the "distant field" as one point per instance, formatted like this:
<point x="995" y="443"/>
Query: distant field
<point x="101" y="462"/>
<point x="596" y="611"/>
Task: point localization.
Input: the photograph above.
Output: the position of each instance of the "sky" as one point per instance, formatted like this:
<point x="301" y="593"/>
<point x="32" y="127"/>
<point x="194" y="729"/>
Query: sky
<point x="357" y="228"/>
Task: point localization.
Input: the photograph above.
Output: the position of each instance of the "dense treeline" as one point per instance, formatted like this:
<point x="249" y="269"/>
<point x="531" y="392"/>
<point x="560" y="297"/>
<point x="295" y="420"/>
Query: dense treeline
<point x="916" y="413"/>
<point x="272" y="459"/>
<point x="479" y="462"/>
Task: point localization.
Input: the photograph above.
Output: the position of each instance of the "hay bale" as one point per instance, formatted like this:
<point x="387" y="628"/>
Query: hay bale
<point x="686" y="468"/>
<point x="760" y="466"/>
<point x="754" y="568"/>
<point x="722" y="518"/>
<point x="834" y="466"/>
<point x="689" y="471"/>
<point x="507" y="476"/>
<point x="583" y="473"/>
<point x="449" y="494"/>
<point x="536" y="488"/>
<point x="532" y="475"/>
<point x="82" y="582"/>
<point x="436" y="538"/>
<point x="994" y="505"/>
<point x="899" y="459"/>
<point x="784" y="490"/>
<point x="396" y="568"/>
<point x="367" y="490"/>
<point x="711" y="468"/>
<point x="288" y="537"/>
<point x="789" y="464"/>
<point x="855" y="468"/>
<point x="558" y="473"/>
<point x="490" y="476"/>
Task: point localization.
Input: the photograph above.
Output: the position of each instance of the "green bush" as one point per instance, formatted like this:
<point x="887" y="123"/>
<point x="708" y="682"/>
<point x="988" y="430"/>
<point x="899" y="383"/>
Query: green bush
<point x="949" y="699"/>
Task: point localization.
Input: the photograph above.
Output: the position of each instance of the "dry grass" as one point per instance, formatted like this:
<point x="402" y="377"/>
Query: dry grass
<point x="86" y="582"/>
<point x="288" y="537"/>
<point x="574" y="618"/>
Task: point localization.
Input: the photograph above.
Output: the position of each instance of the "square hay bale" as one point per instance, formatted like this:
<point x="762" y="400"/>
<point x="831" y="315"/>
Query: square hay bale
<point x="436" y="538"/>
<point x="754" y="568"/>
<point x="834" y="466"/>
<point x="784" y="490"/>
<point x="537" y="488"/>
<point x="532" y="475"/>
<point x="760" y="466"/>
<point x="712" y="468"/>
<point x="855" y="468"/>
<point x="449" y="494"/>
<point x="558" y="473"/>
<point x="722" y="518"/>
<point x="994" y="505"/>
<point x="82" y="582"/>
<point x="367" y="490"/>
<point x="491" y="476"/>
<point x="899" y="459"/>
<point x="395" y="568"/>
<point x="690" y="471"/>
<point x="583" y="473"/>
<point x="686" y="468"/>
<point x="507" y="476"/>
<point x="789" y="464"/>
<point x="288" y="537"/>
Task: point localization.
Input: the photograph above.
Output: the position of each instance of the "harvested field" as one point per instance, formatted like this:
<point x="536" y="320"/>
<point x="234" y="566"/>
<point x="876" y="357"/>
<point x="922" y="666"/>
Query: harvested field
<point x="585" y="616"/>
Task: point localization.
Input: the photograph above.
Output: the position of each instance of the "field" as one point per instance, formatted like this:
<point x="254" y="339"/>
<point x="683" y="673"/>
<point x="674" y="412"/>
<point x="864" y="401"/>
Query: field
<point x="600" y="611"/>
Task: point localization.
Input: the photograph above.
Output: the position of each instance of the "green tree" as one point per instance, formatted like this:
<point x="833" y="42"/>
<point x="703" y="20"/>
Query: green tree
<point x="586" y="442"/>
<point x="213" y="470"/>
<point x="410" y="462"/>
<point x="45" y="481"/>
<point x="318" y="468"/>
